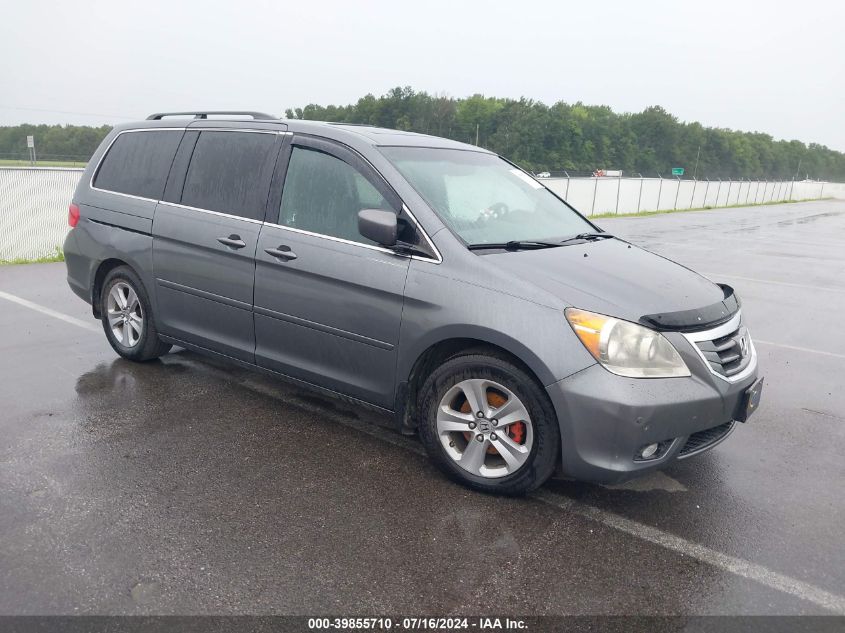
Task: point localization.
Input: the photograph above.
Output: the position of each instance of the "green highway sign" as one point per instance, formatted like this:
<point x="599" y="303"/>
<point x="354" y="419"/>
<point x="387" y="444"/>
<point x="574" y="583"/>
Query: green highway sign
<point x="677" y="171"/>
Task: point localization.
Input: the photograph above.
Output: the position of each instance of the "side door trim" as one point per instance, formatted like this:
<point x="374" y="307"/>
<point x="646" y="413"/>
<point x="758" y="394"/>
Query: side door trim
<point x="321" y="327"/>
<point x="204" y="294"/>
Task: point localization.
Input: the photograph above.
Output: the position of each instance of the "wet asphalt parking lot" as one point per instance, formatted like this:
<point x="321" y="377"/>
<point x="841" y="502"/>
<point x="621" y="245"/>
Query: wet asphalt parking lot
<point x="186" y="486"/>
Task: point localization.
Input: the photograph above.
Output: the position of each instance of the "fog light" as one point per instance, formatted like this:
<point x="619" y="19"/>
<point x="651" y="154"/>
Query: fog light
<point x="648" y="451"/>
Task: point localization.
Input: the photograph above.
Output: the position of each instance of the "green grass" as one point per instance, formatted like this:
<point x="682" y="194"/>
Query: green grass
<point x="708" y="208"/>
<point x="6" y="162"/>
<point x="58" y="256"/>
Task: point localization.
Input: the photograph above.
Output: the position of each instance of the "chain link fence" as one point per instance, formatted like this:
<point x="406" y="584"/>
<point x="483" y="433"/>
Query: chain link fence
<point x="34" y="201"/>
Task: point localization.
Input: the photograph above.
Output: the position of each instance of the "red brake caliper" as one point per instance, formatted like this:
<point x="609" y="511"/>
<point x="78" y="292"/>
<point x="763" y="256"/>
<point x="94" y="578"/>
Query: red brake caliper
<point x="516" y="430"/>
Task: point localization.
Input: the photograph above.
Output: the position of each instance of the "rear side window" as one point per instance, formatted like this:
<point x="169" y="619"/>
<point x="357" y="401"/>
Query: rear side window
<point x="138" y="163"/>
<point x="230" y="173"/>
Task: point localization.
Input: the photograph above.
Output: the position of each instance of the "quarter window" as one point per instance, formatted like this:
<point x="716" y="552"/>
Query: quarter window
<point x="230" y="173"/>
<point x="324" y="194"/>
<point x="137" y="163"/>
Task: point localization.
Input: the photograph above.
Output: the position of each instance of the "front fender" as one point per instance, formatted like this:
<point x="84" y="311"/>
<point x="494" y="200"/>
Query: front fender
<point x="439" y="308"/>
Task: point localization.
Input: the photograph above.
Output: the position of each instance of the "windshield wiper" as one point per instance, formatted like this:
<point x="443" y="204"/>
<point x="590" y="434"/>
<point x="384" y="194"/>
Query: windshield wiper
<point x="588" y="236"/>
<point x="519" y="245"/>
<point x="513" y="245"/>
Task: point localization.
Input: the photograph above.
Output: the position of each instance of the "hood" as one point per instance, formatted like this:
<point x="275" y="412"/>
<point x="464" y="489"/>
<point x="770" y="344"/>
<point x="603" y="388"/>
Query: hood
<point x="619" y="279"/>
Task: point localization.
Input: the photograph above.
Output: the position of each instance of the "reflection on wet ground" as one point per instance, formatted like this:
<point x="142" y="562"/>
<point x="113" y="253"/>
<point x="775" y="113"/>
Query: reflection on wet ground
<point x="189" y="486"/>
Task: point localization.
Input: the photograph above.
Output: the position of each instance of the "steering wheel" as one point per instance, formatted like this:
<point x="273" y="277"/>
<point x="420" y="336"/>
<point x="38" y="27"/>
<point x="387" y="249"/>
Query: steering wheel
<point x="495" y="210"/>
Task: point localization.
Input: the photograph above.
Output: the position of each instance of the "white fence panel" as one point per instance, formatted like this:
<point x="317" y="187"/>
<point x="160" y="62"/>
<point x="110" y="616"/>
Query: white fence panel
<point x="652" y="195"/>
<point x="593" y="196"/>
<point x="34" y="201"/>
<point x="33" y="210"/>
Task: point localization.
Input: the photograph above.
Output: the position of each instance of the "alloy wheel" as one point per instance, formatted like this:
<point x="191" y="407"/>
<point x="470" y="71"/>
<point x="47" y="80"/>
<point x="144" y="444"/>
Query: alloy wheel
<point x="485" y="428"/>
<point x="125" y="314"/>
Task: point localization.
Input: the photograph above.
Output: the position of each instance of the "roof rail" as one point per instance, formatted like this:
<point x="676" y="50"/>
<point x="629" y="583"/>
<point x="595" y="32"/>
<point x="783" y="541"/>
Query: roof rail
<point x="204" y="115"/>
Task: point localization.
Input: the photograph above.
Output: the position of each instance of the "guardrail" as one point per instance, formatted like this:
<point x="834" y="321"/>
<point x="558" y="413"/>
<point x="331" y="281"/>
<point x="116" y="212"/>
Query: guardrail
<point x="34" y="200"/>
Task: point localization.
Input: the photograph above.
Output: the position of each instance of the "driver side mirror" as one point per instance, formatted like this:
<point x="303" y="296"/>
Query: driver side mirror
<point x="378" y="225"/>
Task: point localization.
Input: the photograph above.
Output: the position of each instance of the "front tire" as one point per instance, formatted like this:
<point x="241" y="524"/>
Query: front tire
<point x="127" y="317"/>
<point x="487" y="424"/>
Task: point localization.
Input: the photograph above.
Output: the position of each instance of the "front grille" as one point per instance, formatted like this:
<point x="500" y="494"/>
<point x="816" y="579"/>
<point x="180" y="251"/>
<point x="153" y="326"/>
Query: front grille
<point x="701" y="440"/>
<point x="727" y="355"/>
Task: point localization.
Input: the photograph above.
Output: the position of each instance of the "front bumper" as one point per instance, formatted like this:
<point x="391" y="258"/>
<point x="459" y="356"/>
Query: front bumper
<point x="605" y="419"/>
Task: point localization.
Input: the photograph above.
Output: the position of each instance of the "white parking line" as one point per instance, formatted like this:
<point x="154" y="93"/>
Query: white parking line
<point x="88" y="325"/>
<point x="732" y="564"/>
<point x="808" y="350"/>
<point x="788" y="284"/>
<point x="738" y="566"/>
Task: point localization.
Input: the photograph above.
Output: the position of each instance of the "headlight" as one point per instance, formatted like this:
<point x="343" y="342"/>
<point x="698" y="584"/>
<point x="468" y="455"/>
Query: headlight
<point x="625" y="348"/>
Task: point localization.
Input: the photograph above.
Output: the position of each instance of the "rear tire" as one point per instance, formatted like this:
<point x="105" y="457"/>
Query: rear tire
<point x="127" y="317"/>
<point x="511" y="456"/>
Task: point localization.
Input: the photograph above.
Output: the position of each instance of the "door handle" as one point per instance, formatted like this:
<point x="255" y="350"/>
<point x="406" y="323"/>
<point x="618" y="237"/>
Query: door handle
<point x="233" y="241"/>
<point x="283" y="252"/>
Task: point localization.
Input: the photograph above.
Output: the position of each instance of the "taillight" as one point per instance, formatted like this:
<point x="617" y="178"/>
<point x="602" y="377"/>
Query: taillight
<point x="73" y="215"/>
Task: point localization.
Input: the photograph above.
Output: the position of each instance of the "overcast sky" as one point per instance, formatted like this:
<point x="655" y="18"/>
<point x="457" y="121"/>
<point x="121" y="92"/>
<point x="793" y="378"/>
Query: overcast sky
<point x="775" y="67"/>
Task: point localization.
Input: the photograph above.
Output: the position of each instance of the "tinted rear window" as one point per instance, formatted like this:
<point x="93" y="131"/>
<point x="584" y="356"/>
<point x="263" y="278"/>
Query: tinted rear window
<point x="138" y="163"/>
<point x="230" y="172"/>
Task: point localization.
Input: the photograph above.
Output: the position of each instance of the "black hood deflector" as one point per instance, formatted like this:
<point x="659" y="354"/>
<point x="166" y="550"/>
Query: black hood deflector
<point x="698" y="318"/>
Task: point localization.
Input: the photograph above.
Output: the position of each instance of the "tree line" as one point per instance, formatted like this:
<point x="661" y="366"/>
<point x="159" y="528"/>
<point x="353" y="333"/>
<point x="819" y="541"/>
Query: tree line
<point x="52" y="142"/>
<point x="576" y="138"/>
<point x="581" y="138"/>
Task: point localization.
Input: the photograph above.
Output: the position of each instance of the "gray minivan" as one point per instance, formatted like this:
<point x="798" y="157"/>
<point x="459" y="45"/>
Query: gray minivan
<point x="424" y="277"/>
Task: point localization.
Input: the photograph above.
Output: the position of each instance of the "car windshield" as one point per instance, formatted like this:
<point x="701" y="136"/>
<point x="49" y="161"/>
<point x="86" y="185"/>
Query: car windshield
<point x="484" y="199"/>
